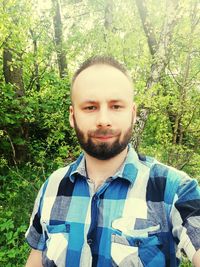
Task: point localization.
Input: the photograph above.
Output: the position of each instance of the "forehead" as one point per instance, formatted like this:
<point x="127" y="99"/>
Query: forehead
<point x="101" y="82"/>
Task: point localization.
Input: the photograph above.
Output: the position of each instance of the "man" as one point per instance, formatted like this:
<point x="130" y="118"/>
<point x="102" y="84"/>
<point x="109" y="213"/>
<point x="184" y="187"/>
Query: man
<point x="112" y="207"/>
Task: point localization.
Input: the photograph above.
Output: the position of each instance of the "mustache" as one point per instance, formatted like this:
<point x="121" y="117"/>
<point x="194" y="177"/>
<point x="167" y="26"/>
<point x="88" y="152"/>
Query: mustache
<point x="103" y="132"/>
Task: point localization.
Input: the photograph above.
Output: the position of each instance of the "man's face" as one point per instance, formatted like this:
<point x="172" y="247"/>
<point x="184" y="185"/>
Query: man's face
<point x="103" y="112"/>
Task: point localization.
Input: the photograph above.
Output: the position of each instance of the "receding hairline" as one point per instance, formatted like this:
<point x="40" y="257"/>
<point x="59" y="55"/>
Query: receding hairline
<point x="100" y="61"/>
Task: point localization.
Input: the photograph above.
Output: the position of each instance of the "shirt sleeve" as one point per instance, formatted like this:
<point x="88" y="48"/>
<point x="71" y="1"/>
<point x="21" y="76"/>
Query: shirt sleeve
<point x="185" y="217"/>
<point x="35" y="235"/>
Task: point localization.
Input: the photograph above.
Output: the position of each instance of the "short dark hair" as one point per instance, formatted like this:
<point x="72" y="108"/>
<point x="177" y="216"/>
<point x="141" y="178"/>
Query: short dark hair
<point x="100" y="60"/>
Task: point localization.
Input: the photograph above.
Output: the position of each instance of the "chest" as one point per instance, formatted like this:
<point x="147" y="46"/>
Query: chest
<point x="116" y="218"/>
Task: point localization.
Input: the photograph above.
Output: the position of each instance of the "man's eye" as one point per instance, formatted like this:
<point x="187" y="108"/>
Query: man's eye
<point x="90" y="108"/>
<point x="116" y="107"/>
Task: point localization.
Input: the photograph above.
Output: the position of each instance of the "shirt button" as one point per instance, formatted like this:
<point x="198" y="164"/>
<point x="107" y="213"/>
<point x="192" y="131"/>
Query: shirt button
<point x="137" y="243"/>
<point x="89" y="241"/>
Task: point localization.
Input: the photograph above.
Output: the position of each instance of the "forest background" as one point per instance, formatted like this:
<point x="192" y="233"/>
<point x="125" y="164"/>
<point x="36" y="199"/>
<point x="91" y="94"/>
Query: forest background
<point x="41" y="45"/>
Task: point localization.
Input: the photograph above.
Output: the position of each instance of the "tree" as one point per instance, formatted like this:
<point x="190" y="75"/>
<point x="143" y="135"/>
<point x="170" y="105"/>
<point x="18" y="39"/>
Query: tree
<point x="35" y="77"/>
<point x="159" y="50"/>
<point x="61" y="53"/>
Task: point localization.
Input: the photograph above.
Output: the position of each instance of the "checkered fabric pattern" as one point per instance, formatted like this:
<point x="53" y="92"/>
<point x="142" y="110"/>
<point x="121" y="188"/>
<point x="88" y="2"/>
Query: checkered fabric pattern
<point x="142" y="216"/>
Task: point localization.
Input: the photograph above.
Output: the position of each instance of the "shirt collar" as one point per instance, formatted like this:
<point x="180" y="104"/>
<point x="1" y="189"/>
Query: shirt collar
<point x="127" y="171"/>
<point x="77" y="167"/>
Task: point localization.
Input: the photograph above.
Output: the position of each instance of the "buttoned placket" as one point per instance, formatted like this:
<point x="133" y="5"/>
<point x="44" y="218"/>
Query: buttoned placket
<point x="95" y="210"/>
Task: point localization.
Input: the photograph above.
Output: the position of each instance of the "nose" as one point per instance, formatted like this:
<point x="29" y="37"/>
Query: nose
<point x="103" y="118"/>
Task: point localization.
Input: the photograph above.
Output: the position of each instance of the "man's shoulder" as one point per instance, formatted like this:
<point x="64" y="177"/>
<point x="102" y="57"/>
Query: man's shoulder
<point x="58" y="175"/>
<point x="166" y="179"/>
<point x="159" y="169"/>
<point x="51" y="185"/>
<point x="61" y="172"/>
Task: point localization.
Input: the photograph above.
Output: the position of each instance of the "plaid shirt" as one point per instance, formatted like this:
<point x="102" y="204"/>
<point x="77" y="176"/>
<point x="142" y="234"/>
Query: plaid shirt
<point x="142" y="216"/>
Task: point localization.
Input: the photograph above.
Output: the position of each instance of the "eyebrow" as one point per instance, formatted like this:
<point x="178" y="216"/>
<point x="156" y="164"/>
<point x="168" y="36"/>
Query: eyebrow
<point x="110" y="101"/>
<point x="89" y="102"/>
<point x="116" y="100"/>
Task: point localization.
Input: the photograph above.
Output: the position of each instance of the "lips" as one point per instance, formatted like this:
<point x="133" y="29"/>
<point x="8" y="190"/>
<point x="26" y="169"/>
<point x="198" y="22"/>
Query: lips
<point x="104" y="135"/>
<point x="103" y="138"/>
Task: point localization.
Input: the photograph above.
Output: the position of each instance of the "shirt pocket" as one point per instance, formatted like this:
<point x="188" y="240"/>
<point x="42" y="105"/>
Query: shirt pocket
<point x="128" y="251"/>
<point x="56" y="245"/>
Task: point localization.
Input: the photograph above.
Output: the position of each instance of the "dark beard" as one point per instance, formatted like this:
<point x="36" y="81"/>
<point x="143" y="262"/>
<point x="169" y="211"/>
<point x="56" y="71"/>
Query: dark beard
<point x="102" y="151"/>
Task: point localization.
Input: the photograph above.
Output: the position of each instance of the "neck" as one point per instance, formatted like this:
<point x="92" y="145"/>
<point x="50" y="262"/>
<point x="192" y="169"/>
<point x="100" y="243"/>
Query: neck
<point x="99" y="170"/>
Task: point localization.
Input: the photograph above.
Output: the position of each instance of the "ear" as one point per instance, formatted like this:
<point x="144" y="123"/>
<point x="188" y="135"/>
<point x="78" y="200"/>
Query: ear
<point x="71" y="116"/>
<point x="134" y="110"/>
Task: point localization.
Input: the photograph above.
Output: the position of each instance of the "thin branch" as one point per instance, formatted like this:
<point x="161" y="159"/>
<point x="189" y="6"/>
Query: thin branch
<point x="12" y="147"/>
<point x="178" y="83"/>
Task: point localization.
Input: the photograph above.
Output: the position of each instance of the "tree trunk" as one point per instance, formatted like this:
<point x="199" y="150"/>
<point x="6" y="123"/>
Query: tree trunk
<point x="108" y="20"/>
<point x="108" y="15"/>
<point x="176" y="119"/>
<point x="159" y="51"/>
<point x="61" y="55"/>
<point x="13" y="72"/>
<point x="147" y="26"/>
<point x="35" y="77"/>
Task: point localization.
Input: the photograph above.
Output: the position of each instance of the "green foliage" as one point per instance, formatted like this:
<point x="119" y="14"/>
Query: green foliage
<point x="18" y="189"/>
<point x="185" y="263"/>
<point x="12" y="236"/>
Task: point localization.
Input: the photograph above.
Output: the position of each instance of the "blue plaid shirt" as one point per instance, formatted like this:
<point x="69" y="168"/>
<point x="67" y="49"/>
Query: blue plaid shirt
<point x="142" y="216"/>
